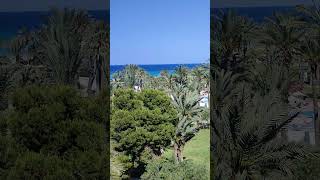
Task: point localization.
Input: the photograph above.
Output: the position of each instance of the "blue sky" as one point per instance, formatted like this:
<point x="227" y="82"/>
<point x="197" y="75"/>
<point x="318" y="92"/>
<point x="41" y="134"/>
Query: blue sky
<point x="159" y="31"/>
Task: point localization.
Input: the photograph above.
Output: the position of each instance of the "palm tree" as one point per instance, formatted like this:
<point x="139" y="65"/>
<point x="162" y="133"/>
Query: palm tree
<point x="312" y="13"/>
<point x="168" y="80"/>
<point x="310" y="52"/>
<point x="181" y="75"/>
<point x="245" y="143"/>
<point x="230" y="41"/>
<point x="117" y="80"/>
<point x="198" y="78"/>
<point x="61" y="44"/>
<point x="164" y="73"/>
<point x="18" y="44"/>
<point x="187" y="106"/>
<point x="267" y="76"/>
<point x="96" y="48"/>
<point x="282" y="33"/>
<point x="130" y="77"/>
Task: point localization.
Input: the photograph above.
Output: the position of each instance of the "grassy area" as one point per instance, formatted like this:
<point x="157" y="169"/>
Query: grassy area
<point x="197" y="149"/>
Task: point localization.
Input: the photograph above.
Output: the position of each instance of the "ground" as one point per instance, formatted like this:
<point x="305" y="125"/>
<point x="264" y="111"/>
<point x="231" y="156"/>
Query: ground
<point x="197" y="149"/>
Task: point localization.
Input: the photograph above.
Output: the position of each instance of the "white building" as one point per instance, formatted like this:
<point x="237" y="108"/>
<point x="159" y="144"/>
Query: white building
<point x="137" y="88"/>
<point x="204" y="102"/>
<point x="204" y="95"/>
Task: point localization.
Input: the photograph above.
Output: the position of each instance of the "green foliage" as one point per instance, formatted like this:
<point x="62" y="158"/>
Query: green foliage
<point x="141" y="124"/>
<point x="8" y="153"/>
<point x="38" y="166"/>
<point x="282" y="33"/>
<point x="246" y="128"/>
<point x="308" y="169"/>
<point x="91" y="165"/>
<point x="61" y="42"/>
<point x="130" y="76"/>
<point x="58" y="129"/>
<point x="45" y="115"/>
<point x="167" y="169"/>
<point x="126" y="100"/>
<point x="229" y="41"/>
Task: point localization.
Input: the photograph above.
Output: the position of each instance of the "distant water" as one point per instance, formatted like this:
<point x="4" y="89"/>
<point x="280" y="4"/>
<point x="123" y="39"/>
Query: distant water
<point x="258" y="14"/>
<point x="12" y="22"/>
<point x="153" y="70"/>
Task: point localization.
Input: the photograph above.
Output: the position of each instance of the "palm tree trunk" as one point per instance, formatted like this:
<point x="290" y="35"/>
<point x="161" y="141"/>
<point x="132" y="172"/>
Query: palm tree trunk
<point x="233" y="177"/>
<point x="103" y="77"/>
<point x="284" y="132"/>
<point x="178" y="152"/>
<point x="209" y="98"/>
<point x="90" y="83"/>
<point x="98" y="75"/>
<point x="315" y="110"/>
<point x="18" y="59"/>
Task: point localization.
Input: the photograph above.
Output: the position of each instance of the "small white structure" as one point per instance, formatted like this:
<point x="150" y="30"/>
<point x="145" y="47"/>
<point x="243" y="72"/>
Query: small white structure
<point x="204" y="102"/>
<point x="204" y="95"/>
<point x="137" y="88"/>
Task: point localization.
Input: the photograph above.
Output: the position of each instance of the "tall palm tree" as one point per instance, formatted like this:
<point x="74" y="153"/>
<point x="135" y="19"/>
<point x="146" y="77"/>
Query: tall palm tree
<point x="187" y="105"/>
<point x="117" y="80"/>
<point x="18" y="44"/>
<point x="130" y="77"/>
<point x="283" y="33"/>
<point x="310" y="52"/>
<point x="61" y="44"/>
<point x="245" y="137"/>
<point x="198" y="78"/>
<point x="312" y="13"/>
<point x="230" y="41"/>
<point x="96" y="48"/>
<point x="181" y="75"/>
<point x="168" y="80"/>
<point x="265" y="77"/>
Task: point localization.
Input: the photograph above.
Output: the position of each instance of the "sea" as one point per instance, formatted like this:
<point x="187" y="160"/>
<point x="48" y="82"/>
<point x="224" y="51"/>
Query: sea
<point x="154" y="69"/>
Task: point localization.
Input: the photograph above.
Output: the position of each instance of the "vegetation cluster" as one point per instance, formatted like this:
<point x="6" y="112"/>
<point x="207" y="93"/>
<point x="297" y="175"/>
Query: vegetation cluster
<point x="253" y="69"/>
<point x="163" y="113"/>
<point x="52" y="125"/>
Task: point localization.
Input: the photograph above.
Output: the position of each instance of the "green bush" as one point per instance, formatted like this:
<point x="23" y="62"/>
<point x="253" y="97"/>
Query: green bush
<point x="308" y="169"/>
<point x="38" y="166"/>
<point x="9" y="152"/>
<point x="55" y="120"/>
<point x="167" y="169"/>
<point x="61" y="131"/>
<point x="141" y="124"/>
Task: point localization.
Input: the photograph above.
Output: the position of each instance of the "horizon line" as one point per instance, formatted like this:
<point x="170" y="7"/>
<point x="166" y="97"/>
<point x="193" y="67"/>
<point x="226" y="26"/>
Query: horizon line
<point x="157" y="64"/>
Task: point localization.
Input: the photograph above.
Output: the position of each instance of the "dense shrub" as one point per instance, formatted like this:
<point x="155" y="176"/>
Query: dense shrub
<point x="38" y="166"/>
<point x="308" y="169"/>
<point x="167" y="169"/>
<point x="9" y="152"/>
<point x="141" y="125"/>
<point x="60" y="131"/>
